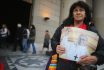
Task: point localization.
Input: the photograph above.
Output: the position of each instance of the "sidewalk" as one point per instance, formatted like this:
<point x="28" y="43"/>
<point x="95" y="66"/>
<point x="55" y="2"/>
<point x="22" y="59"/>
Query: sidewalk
<point x="25" y="61"/>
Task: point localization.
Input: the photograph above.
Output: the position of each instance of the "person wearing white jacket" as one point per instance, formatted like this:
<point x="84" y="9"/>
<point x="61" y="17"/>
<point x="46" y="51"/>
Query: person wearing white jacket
<point x="25" y="37"/>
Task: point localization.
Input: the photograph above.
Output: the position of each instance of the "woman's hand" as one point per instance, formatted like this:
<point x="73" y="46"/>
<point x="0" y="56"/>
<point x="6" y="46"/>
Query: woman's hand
<point x="60" y="49"/>
<point x="86" y="60"/>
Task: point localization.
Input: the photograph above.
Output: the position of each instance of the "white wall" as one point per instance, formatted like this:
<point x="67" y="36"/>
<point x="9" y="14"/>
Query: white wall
<point x="45" y="8"/>
<point x="65" y="9"/>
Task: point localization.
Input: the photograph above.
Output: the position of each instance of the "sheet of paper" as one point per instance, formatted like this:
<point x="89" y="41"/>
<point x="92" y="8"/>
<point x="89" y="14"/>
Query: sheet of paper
<point x="77" y="43"/>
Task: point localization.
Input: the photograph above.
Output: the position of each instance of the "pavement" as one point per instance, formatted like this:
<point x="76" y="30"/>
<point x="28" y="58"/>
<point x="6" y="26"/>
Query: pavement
<point x="25" y="61"/>
<point x="28" y="61"/>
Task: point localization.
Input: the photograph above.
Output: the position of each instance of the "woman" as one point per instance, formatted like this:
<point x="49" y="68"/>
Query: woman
<point x="32" y="38"/>
<point x="79" y="17"/>
<point x="46" y="40"/>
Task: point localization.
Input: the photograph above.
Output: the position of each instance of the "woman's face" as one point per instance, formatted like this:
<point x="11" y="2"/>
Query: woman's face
<point x="79" y="13"/>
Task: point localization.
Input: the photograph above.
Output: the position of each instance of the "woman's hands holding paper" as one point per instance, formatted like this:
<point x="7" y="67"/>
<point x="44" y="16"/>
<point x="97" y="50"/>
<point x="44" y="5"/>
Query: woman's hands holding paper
<point x="60" y="49"/>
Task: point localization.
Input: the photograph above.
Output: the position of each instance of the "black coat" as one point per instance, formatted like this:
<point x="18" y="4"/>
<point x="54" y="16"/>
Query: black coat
<point x="71" y="65"/>
<point x="32" y="35"/>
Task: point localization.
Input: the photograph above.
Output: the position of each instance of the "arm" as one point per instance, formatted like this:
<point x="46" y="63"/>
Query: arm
<point x="99" y="53"/>
<point x="56" y="39"/>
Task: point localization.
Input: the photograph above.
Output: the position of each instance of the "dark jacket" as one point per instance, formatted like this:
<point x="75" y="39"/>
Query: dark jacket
<point x="32" y="35"/>
<point x="99" y="53"/>
<point x="18" y="34"/>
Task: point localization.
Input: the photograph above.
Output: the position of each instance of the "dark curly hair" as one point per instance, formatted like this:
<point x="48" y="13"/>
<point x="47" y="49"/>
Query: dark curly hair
<point x="70" y="19"/>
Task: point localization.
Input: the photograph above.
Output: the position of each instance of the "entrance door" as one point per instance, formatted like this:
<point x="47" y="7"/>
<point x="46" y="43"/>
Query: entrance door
<point x="14" y="11"/>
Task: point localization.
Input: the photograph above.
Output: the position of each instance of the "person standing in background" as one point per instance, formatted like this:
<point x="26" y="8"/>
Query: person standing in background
<point x="25" y="37"/>
<point x="31" y="40"/>
<point x="18" y="38"/>
<point x="46" y="40"/>
<point x="4" y="33"/>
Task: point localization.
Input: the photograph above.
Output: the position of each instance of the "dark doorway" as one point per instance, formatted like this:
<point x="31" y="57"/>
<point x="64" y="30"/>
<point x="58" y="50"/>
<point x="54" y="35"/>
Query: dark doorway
<point x="12" y="12"/>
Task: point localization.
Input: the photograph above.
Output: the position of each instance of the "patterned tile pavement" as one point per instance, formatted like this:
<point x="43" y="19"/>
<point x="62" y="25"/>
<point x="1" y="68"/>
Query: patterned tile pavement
<point x="30" y="62"/>
<point x="22" y="61"/>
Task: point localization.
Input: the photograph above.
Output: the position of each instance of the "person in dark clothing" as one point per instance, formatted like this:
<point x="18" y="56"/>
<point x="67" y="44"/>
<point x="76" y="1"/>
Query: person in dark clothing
<point x="46" y="40"/>
<point x="18" y="37"/>
<point x="79" y="17"/>
<point x="31" y="40"/>
<point x="4" y="34"/>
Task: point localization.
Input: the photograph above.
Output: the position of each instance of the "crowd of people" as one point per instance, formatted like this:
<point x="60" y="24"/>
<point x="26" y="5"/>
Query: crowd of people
<point x="24" y="37"/>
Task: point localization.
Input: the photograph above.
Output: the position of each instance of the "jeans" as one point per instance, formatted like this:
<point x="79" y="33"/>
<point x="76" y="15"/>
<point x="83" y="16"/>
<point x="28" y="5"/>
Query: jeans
<point x="33" y="46"/>
<point x="25" y="45"/>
